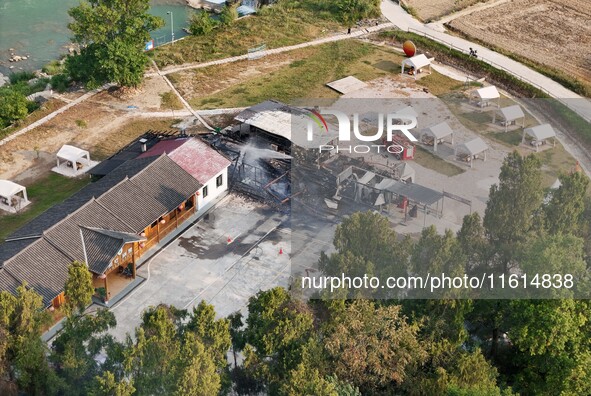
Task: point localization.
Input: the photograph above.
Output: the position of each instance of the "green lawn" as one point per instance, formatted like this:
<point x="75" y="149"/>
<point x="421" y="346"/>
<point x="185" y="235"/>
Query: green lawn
<point x="306" y="78"/>
<point x="43" y="194"/>
<point x="431" y="161"/>
<point x="287" y="22"/>
<point x="510" y="138"/>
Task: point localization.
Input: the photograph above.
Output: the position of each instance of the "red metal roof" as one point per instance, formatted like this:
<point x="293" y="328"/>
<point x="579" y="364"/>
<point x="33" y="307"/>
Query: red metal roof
<point x="193" y="155"/>
<point x="164" y="146"/>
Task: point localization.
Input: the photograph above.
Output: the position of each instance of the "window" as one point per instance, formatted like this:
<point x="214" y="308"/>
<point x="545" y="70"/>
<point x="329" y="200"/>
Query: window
<point x="204" y="191"/>
<point x="219" y="180"/>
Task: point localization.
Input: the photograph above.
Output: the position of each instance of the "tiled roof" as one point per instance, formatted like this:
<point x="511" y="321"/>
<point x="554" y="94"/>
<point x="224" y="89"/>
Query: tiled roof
<point x="167" y="182"/>
<point x="103" y="245"/>
<point x="134" y="206"/>
<point x="43" y="267"/>
<point x="53" y="215"/>
<point x="66" y="234"/>
<point x="8" y="282"/>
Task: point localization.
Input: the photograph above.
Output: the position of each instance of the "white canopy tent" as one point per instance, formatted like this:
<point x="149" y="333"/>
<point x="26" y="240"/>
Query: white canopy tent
<point x="416" y="64"/>
<point x="438" y="132"/>
<point x="540" y="134"/>
<point x="72" y="161"/>
<point x="487" y="95"/>
<point x="470" y="150"/>
<point x="510" y="115"/>
<point x="13" y="197"/>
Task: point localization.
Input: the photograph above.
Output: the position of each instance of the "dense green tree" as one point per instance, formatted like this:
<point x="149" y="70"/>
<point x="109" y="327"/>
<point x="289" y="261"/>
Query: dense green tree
<point x="307" y="381"/>
<point x="237" y="334"/>
<point x="24" y="363"/>
<point x="513" y="208"/>
<point x="78" y="289"/>
<point x="13" y="106"/>
<point x="214" y="334"/>
<point x="473" y="242"/>
<point x="277" y="329"/>
<point x="564" y="212"/>
<point x="201" y="23"/>
<point x="112" y="35"/>
<point x="108" y="385"/>
<point x="372" y="347"/>
<point x="77" y="346"/>
<point x="152" y="360"/>
<point x="198" y="374"/>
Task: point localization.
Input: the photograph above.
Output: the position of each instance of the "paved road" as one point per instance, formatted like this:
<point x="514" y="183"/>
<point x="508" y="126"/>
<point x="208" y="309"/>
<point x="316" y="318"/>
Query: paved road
<point x="404" y="21"/>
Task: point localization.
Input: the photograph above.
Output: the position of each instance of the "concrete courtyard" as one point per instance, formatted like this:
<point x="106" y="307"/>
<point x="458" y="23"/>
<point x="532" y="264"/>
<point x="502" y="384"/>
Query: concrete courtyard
<point x="201" y="264"/>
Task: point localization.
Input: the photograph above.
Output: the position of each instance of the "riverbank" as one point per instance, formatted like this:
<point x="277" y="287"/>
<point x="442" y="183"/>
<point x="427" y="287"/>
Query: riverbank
<point x="26" y="29"/>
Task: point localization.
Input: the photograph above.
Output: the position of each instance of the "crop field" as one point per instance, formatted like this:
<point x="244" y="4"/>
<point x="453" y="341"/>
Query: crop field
<point x="428" y="10"/>
<point x="552" y="33"/>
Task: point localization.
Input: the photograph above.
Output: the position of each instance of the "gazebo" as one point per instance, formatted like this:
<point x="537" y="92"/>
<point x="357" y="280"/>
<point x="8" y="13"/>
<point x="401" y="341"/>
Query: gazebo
<point x="13" y="197"/>
<point x="72" y="161"/>
<point x="510" y="116"/>
<point x="436" y="134"/>
<point x="487" y="95"/>
<point x="540" y="134"/>
<point x="416" y="65"/>
<point x="470" y="150"/>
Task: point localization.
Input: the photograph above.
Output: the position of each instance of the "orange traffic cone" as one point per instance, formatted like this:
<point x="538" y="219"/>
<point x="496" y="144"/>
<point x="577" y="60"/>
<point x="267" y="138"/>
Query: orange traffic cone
<point x="229" y="240"/>
<point x="280" y="250"/>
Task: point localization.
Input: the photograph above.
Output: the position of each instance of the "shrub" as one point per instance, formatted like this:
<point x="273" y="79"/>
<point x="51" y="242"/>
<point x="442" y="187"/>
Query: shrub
<point x="13" y="106"/>
<point x="228" y="15"/>
<point x="60" y="82"/>
<point x="52" y="68"/>
<point x="17" y="77"/>
<point x="201" y="23"/>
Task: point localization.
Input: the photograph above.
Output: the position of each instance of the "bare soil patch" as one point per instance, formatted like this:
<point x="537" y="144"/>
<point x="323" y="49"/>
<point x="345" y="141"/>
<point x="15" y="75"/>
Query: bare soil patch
<point x="554" y="33"/>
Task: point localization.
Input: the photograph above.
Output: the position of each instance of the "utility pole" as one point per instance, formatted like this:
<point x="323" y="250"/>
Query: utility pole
<point x="171" y="27"/>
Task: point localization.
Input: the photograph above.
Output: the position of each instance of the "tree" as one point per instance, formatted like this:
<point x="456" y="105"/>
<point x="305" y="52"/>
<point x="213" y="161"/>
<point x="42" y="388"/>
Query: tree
<point x="77" y="346"/>
<point x="565" y="210"/>
<point x="510" y="215"/>
<point x="13" y="106"/>
<point x="152" y="360"/>
<point x="473" y="242"/>
<point x="228" y="14"/>
<point x="112" y="35"/>
<point x="201" y="23"/>
<point x="107" y="385"/>
<point x="214" y="334"/>
<point x="307" y="381"/>
<point x="24" y="353"/>
<point x="198" y="373"/>
<point x="78" y="289"/>
<point x="372" y="347"/>
<point x="278" y="327"/>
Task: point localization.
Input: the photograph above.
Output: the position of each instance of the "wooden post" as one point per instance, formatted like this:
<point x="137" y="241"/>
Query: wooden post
<point x="106" y="290"/>
<point x="135" y="245"/>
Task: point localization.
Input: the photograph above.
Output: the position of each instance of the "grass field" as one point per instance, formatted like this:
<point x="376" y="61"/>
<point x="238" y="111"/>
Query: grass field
<point x="431" y="161"/>
<point x="287" y="22"/>
<point x="305" y="77"/>
<point x="44" y="193"/>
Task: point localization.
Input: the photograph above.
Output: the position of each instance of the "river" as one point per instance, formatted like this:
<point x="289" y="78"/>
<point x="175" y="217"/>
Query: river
<point x="38" y="29"/>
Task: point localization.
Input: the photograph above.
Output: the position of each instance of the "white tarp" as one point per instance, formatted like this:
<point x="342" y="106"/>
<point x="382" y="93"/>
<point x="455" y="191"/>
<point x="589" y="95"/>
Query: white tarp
<point x="488" y="93"/>
<point x="540" y="132"/>
<point x="72" y="154"/>
<point x="9" y="189"/>
<point x="473" y="147"/>
<point x="440" y="130"/>
<point x="417" y="61"/>
<point x="512" y="113"/>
